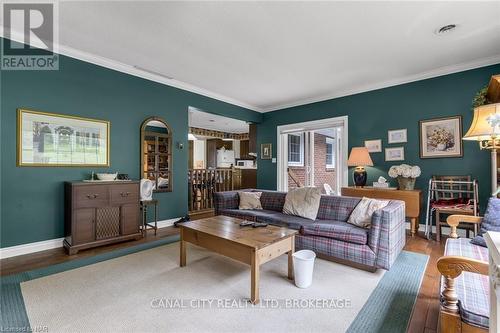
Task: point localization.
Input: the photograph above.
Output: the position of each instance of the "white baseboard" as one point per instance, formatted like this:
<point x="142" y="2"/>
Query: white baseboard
<point x="18" y="250"/>
<point x="167" y="223"/>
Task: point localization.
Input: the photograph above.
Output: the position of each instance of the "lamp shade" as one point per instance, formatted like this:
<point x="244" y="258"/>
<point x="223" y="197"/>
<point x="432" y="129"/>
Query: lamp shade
<point x="359" y="157"/>
<point x="485" y="124"/>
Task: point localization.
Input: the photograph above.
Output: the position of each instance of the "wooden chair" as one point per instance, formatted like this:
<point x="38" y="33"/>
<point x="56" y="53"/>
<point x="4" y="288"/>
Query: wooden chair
<point x="461" y="193"/>
<point x="451" y="267"/>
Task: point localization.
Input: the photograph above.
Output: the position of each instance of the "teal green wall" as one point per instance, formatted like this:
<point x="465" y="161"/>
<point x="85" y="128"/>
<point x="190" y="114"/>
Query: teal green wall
<point x="372" y="113"/>
<point x="32" y="198"/>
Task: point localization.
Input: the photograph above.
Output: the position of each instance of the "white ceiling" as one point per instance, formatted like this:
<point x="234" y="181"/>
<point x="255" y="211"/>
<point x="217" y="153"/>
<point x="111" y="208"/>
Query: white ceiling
<point x="269" y="55"/>
<point x="215" y="122"/>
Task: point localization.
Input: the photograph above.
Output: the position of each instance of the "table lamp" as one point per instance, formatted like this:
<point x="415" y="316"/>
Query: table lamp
<point x="359" y="158"/>
<point x="485" y="128"/>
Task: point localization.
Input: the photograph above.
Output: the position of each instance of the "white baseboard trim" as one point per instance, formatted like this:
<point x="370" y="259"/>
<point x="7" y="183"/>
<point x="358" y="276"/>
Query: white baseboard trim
<point x="19" y="250"/>
<point x="167" y="223"/>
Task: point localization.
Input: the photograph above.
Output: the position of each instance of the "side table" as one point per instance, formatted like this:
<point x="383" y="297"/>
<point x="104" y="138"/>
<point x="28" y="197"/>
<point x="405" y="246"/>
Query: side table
<point x="144" y="210"/>
<point x="412" y="199"/>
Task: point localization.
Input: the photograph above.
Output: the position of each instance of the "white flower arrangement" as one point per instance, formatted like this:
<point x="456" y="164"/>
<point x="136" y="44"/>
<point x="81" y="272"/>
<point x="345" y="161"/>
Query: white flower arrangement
<point x="404" y="170"/>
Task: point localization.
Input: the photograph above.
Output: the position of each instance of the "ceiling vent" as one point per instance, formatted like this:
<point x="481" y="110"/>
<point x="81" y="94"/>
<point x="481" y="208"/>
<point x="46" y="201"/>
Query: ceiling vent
<point x="444" y="30"/>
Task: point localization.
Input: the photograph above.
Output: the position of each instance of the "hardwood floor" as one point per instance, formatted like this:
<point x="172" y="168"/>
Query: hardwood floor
<point x="426" y="311"/>
<point x="55" y="256"/>
<point x="425" y="314"/>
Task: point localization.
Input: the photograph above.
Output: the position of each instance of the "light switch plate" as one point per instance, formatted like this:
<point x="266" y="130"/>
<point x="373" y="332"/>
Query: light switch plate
<point x="273" y="160"/>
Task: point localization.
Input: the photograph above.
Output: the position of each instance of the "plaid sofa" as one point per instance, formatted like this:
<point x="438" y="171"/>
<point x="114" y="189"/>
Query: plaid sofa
<point x="472" y="289"/>
<point x="330" y="234"/>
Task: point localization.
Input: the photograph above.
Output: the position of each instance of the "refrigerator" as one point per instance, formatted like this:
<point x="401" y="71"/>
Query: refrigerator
<point x="225" y="158"/>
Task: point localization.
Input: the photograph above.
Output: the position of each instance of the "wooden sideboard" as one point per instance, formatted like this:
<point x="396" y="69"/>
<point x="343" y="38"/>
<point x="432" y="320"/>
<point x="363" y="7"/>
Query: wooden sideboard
<point x="412" y="199"/>
<point x="99" y="213"/>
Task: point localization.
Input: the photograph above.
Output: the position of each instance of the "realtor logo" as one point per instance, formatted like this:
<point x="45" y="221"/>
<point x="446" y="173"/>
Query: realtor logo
<point x="30" y="36"/>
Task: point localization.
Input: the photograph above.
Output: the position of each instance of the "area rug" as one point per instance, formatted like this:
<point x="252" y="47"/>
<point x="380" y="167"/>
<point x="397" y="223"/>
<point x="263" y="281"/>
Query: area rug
<point x="147" y="291"/>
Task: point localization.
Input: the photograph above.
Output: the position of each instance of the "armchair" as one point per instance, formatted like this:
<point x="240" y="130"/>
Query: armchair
<point x="464" y="286"/>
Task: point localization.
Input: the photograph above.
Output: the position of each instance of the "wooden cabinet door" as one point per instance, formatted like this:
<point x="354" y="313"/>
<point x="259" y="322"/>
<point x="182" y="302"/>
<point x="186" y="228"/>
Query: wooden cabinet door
<point x="244" y="149"/>
<point x="252" y="139"/>
<point x="83" y="226"/>
<point x="130" y="219"/>
<point x="211" y="153"/>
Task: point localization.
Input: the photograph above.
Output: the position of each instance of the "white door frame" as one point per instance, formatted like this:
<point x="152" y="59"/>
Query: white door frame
<point x="282" y="149"/>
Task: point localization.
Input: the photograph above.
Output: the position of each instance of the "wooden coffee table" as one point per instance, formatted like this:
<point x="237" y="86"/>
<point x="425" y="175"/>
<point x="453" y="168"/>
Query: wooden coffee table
<point x="252" y="246"/>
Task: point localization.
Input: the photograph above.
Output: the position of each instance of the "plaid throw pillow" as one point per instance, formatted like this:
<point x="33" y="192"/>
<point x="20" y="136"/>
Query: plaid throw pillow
<point x="491" y="221"/>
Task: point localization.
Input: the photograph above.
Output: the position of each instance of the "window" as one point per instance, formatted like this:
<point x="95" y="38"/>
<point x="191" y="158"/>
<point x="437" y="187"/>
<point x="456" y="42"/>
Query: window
<point x="295" y="149"/>
<point x="330" y="153"/>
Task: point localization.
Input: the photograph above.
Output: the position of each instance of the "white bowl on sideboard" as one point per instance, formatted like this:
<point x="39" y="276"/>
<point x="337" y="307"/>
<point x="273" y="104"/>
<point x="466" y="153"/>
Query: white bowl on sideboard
<point x="107" y="176"/>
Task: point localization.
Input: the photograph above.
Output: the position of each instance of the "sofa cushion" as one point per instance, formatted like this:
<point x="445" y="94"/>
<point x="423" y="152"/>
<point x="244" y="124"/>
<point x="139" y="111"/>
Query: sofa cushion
<point x="337" y="230"/>
<point x="491" y="221"/>
<point x="336" y="208"/>
<point x="250" y="200"/>
<point x="268" y="216"/>
<point x="271" y="200"/>
<point x="361" y="216"/>
<point x="249" y="214"/>
<point x="303" y="201"/>
<point x="472" y="289"/>
<point x="284" y="220"/>
<point x="361" y="254"/>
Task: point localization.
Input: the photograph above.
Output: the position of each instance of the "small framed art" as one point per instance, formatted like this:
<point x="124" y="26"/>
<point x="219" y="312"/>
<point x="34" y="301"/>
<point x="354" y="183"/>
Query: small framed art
<point x="441" y="137"/>
<point x="374" y="146"/>
<point x="395" y="154"/>
<point x="397" y="136"/>
<point x="266" y="151"/>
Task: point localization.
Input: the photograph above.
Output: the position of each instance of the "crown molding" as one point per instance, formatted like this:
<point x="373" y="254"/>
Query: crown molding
<point x="135" y="71"/>
<point x="441" y="71"/>
<point x="145" y="74"/>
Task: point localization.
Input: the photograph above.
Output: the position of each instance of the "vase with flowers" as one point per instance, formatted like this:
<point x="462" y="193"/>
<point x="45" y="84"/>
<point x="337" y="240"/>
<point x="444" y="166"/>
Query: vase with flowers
<point x="406" y="175"/>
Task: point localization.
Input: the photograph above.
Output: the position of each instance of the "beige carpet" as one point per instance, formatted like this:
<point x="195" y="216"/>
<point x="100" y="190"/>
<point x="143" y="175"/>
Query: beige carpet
<point x="137" y="293"/>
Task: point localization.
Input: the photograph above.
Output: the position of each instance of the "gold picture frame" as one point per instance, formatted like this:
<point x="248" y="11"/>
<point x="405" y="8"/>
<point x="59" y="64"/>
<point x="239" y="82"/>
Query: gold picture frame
<point x="441" y="137"/>
<point x="82" y="146"/>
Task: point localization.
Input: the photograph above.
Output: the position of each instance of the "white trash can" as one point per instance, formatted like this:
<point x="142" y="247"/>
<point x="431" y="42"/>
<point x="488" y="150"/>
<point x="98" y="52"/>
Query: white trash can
<point x="303" y="264"/>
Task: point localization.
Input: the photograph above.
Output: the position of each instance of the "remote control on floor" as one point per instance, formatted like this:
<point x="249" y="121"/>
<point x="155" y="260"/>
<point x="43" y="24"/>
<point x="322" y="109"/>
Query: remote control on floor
<point x="259" y="225"/>
<point x="246" y="223"/>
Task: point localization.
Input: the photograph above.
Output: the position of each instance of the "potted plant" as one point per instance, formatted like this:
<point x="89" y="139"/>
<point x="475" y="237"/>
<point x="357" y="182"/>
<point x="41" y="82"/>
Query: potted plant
<point x="406" y="175"/>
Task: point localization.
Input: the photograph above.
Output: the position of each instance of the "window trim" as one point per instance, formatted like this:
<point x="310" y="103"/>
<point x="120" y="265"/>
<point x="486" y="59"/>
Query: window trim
<point x="301" y="146"/>
<point x="330" y="141"/>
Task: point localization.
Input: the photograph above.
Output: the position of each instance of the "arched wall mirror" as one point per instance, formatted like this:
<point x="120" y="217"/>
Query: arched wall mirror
<point x="156" y="153"/>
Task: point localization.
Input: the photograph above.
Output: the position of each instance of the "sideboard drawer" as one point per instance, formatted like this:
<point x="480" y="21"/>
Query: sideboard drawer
<point x="91" y="196"/>
<point x="125" y="193"/>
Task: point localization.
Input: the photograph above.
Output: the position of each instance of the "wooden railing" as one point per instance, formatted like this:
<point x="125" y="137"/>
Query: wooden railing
<point x="204" y="182"/>
<point x="294" y="177"/>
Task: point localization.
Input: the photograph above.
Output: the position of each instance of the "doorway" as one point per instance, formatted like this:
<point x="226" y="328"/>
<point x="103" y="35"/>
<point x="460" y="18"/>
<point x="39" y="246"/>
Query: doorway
<point x="313" y="153"/>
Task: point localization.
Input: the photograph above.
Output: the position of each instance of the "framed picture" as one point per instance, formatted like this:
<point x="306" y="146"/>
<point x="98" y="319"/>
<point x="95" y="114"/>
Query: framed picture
<point x="48" y="139"/>
<point x="441" y="137"/>
<point x="397" y="136"/>
<point x="266" y="151"/>
<point x="374" y="146"/>
<point x="395" y="154"/>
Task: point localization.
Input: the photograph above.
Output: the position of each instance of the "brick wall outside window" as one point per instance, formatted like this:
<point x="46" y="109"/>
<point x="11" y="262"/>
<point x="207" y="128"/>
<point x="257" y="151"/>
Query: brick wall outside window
<point x="322" y="175"/>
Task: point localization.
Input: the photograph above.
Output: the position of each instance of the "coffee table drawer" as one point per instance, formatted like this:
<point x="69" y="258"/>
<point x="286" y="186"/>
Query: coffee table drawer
<point x="217" y="244"/>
